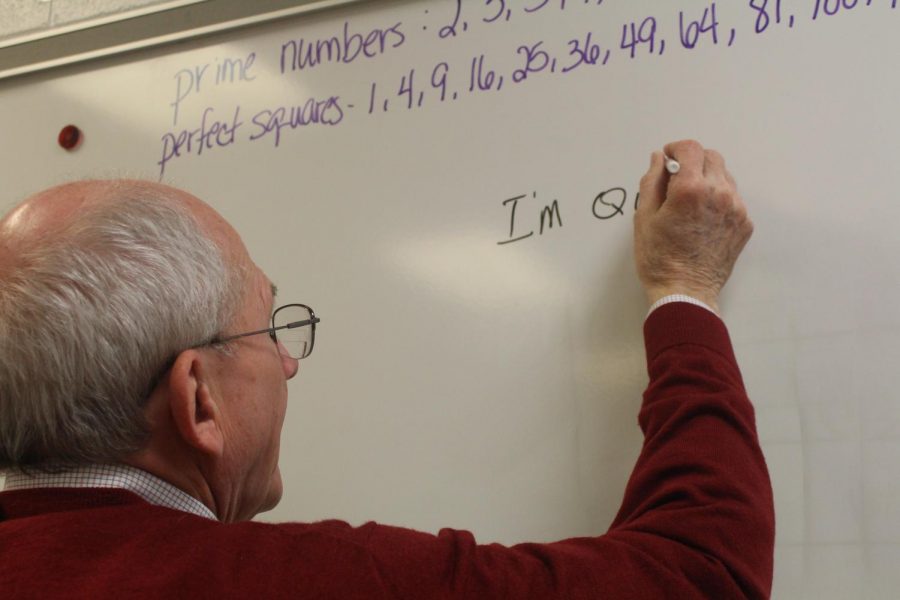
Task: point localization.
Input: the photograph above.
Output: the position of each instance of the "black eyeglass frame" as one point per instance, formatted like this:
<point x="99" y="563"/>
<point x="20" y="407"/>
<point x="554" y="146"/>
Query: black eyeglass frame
<point x="271" y="330"/>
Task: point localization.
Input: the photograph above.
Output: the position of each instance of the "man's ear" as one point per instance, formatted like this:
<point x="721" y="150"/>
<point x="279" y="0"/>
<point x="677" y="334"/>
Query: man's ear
<point x="195" y="410"/>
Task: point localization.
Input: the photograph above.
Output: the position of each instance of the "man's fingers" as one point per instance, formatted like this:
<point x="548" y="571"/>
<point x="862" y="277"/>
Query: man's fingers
<point x="653" y="185"/>
<point x="713" y="164"/>
<point x="717" y="174"/>
<point x="731" y="181"/>
<point x="744" y="218"/>
<point x="690" y="156"/>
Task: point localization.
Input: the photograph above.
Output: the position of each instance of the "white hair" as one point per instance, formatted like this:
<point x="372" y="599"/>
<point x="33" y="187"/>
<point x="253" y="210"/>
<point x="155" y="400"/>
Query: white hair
<point x="91" y="317"/>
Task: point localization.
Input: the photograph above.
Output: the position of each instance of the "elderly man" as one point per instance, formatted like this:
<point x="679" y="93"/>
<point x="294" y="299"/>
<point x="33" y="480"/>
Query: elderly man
<point x="143" y="390"/>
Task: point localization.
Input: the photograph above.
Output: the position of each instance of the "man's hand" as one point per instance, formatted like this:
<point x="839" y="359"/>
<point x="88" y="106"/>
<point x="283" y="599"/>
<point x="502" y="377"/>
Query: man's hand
<point x="690" y="227"/>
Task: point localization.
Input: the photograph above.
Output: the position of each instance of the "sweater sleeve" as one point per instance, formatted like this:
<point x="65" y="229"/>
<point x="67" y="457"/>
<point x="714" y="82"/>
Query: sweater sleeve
<point x="696" y="520"/>
<point x="699" y="499"/>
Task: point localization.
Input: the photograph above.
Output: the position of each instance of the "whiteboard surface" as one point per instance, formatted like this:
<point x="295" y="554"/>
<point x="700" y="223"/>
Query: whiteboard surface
<point x="459" y="381"/>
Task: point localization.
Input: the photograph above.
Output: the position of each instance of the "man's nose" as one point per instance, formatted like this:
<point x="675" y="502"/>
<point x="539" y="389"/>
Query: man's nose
<point x="290" y="365"/>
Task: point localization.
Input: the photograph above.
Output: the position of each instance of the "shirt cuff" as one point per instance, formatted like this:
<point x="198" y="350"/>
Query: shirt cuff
<point x="679" y="298"/>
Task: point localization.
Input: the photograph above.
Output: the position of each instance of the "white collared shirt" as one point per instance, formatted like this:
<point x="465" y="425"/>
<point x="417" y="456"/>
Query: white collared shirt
<point x="680" y="298"/>
<point x="149" y="487"/>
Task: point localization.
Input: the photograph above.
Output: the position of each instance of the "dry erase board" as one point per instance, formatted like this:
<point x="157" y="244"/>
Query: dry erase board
<point x="451" y="186"/>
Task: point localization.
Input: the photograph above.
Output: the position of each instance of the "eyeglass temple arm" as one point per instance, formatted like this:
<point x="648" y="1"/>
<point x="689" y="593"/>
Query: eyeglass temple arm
<point x="292" y="325"/>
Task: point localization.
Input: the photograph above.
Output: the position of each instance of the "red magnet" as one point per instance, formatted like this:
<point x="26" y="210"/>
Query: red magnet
<point x="69" y="137"/>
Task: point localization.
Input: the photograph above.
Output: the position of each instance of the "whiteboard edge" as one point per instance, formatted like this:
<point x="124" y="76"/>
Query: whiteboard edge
<point x="309" y="6"/>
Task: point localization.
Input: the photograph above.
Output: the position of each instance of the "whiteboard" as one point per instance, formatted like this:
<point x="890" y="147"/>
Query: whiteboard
<point x="463" y="379"/>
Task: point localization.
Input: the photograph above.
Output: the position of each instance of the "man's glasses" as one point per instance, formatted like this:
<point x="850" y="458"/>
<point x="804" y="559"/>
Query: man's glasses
<point x="293" y="325"/>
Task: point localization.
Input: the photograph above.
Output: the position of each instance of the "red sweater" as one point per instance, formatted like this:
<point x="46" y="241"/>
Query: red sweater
<point x="696" y="521"/>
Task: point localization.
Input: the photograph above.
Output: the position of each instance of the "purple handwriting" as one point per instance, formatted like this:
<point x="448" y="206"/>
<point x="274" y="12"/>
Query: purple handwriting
<point x="226" y="71"/>
<point x="771" y="13"/>
<point x="637" y="39"/>
<point x="768" y="12"/>
<point x="302" y="53"/>
<point x="212" y="133"/>
<point x="643" y="38"/>
<point x="271" y="122"/>
<point x="501" y="11"/>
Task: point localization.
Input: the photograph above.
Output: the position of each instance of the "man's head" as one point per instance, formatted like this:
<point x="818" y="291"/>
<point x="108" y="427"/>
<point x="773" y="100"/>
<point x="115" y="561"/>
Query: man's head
<point x="110" y="294"/>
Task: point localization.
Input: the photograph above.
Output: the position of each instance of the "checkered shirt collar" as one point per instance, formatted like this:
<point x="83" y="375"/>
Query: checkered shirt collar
<point x="149" y="487"/>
